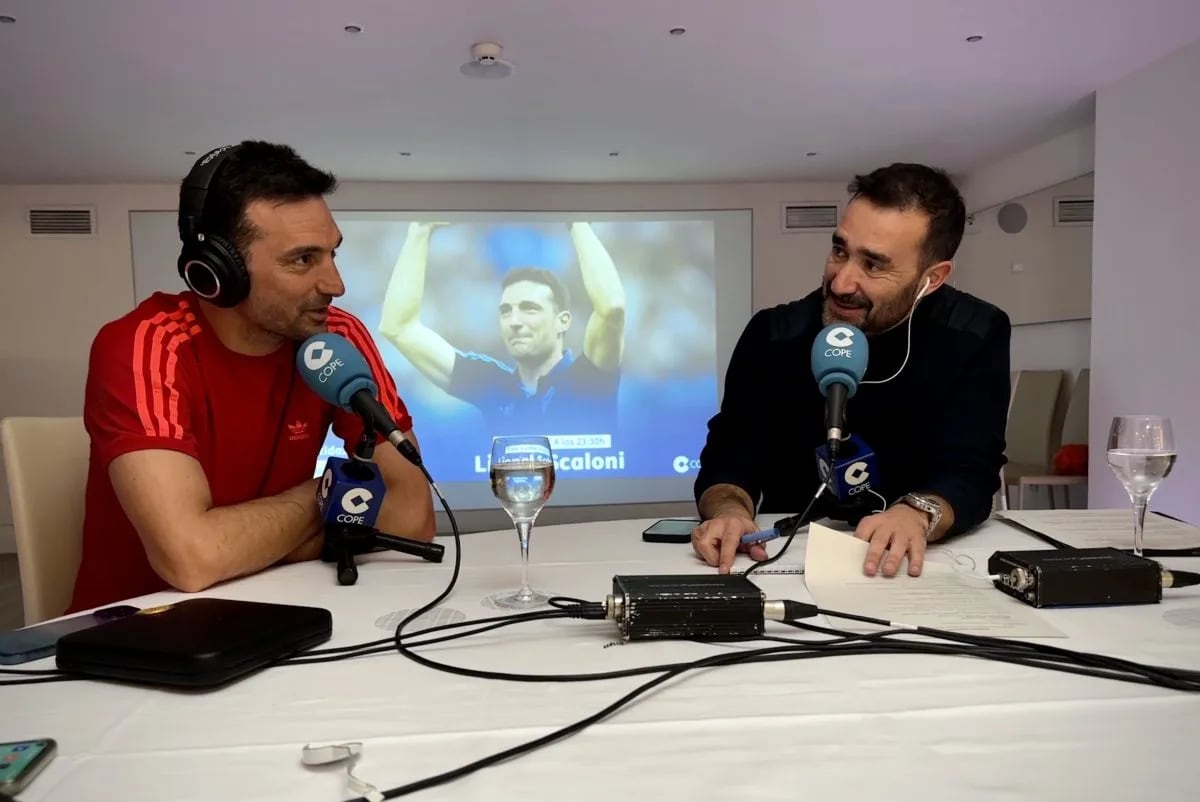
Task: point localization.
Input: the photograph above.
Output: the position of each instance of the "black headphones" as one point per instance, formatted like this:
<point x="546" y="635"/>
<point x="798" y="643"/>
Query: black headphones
<point x="210" y="266"/>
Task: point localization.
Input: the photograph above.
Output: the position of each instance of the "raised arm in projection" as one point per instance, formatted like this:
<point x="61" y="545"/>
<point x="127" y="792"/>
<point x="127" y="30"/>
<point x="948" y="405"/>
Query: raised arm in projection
<point x="400" y="322"/>
<point x="604" y="338"/>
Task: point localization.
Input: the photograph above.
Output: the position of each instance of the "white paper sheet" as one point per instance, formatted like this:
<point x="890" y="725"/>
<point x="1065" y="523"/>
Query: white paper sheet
<point x="1098" y="528"/>
<point x="940" y="597"/>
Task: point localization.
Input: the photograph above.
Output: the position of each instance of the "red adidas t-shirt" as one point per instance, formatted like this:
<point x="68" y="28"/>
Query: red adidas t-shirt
<point x="160" y="378"/>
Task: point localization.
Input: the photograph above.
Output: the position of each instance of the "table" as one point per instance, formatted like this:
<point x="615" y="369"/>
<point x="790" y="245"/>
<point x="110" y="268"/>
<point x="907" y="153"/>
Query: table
<point x="846" y="728"/>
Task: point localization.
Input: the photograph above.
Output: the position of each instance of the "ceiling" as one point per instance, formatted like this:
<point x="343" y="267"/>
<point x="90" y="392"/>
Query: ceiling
<point x="119" y="90"/>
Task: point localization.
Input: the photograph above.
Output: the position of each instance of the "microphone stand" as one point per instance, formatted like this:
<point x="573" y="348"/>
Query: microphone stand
<point x="343" y="541"/>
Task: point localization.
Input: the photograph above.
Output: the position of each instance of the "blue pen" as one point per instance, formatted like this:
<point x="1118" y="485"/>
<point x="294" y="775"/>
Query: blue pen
<point x="759" y="537"/>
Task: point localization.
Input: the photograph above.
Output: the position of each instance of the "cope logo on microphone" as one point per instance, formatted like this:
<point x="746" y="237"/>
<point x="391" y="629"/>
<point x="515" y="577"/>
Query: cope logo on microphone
<point x="319" y="359"/>
<point x="856" y="475"/>
<point x="824" y="470"/>
<point x="841" y="337"/>
<point x="326" y="486"/>
<point x="356" y="502"/>
<point x="316" y="355"/>
<point x="839" y="341"/>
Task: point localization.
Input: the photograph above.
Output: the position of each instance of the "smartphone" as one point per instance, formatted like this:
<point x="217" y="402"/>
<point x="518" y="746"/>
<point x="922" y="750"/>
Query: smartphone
<point x="39" y="640"/>
<point x="21" y="761"/>
<point x="670" y="530"/>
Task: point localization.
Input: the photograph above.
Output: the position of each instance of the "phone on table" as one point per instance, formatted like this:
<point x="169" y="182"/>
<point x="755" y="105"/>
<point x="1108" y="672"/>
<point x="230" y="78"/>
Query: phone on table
<point x="21" y="761"/>
<point x="39" y="640"/>
<point x="670" y="530"/>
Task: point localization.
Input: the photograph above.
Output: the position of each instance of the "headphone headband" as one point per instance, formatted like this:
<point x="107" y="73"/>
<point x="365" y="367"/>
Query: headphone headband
<point x="195" y="189"/>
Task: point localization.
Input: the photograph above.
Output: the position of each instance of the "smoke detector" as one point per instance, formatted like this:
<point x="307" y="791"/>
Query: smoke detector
<point x="487" y="62"/>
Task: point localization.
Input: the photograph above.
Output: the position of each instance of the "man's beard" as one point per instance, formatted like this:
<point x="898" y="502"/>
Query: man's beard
<point x="876" y="318"/>
<point x="287" y="323"/>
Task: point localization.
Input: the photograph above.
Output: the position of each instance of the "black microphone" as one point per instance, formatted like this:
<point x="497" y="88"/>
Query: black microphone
<point x="839" y="362"/>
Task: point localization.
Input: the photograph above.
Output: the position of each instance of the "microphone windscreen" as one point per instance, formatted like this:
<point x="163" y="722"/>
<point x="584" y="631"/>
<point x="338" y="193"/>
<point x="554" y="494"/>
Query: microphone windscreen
<point x="839" y="355"/>
<point x="334" y="369"/>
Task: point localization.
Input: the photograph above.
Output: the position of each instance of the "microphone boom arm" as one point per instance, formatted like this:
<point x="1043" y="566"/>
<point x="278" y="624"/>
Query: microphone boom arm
<point x="835" y="417"/>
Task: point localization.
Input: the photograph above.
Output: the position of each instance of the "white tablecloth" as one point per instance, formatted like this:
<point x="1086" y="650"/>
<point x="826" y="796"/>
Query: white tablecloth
<point x="846" y="728"/>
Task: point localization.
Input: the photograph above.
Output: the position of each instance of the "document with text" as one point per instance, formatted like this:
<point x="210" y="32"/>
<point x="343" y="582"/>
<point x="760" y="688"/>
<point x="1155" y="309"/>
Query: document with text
<point x="940" y="597"/>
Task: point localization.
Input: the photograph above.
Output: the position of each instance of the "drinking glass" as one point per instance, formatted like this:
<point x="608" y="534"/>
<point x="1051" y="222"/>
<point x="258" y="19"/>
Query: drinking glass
<point x="1141" y="452"/>
<point x="522" y="476"/>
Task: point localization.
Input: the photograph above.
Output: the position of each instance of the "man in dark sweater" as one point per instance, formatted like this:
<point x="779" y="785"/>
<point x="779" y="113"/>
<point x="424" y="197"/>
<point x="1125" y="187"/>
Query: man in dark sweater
<point x="935" y="413"/>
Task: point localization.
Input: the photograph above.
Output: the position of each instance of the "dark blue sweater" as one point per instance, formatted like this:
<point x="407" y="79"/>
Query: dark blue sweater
<point x="937" y="428"/>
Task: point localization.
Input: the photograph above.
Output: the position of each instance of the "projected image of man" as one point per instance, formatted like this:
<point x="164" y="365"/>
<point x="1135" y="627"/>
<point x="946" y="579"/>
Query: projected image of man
<point x="541" y="385"/>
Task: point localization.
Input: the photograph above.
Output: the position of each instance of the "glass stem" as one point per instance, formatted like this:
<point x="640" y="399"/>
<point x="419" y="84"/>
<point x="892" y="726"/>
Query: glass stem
<point x="523" y="529"/>
<point x="1139" y="522"/>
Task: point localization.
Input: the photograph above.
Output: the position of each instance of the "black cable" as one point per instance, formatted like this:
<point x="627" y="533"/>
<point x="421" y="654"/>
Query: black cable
<point x="1179" y="679"/>
<point x="578" y="726"/>
<point x="565" y="602"/>
<point x="302" y="656"/>
<point x="300" y="660"/>
<point x="792" y="524"/>
<point x="40" y="680"/>
<point x="35" y="676"/>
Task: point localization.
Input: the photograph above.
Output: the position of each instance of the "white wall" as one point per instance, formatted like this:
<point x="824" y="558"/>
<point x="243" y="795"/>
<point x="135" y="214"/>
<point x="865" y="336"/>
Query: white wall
<point x="1049" y="298"/>
<point x="56" y="293"/>
<point x="1051" y="162"/>
<point x="1040" y="274"/>
<point x="1145" y="326"/>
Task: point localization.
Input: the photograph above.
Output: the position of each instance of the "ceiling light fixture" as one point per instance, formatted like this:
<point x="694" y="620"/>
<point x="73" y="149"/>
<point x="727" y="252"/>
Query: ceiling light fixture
<point x="974" y="38"/>
<point x="677" y="31"/>
<point x="486" y="62"/>
<point x="614" y="153"/>
<point x="811" y="153"/>
<point x="353" y="29"/>
<point x="189" y="153"/>
<point x="405" y="153"/>
<point x="7" y="20"/>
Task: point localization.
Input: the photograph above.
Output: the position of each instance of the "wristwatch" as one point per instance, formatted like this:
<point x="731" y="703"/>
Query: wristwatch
<point x="926" y="505"/>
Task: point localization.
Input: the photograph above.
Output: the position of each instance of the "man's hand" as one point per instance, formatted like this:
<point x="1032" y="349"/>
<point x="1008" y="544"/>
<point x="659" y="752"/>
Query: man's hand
<point x="718" y="539"/>
<point x="898" y="531"/>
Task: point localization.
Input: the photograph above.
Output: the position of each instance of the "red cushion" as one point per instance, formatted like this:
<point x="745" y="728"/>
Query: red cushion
<point x="1072" y="460"/>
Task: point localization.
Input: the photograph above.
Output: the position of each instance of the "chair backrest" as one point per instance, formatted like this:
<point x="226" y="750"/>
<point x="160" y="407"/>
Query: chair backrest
<point x="1034" y="429"/>
<point x="46" y="460"/>
<point x="1075" y="424"/>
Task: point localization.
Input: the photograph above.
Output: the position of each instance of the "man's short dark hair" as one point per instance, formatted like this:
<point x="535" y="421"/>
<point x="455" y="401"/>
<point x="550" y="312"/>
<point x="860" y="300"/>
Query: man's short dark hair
<point x="257" y="171"/>
<point x="903" y="187"/>
<point x="538" y="275"/>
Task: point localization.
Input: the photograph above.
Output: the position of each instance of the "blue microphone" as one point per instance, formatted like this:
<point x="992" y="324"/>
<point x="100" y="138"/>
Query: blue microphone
<point x="349" y="497"/>
<point x="337" y="372"/>
<point x="839" y="362"/>
<point x="851" y="474"/>
<point x="351" y="492"/>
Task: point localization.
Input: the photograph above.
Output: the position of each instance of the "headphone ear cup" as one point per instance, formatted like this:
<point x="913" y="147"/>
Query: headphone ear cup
<point x="213" y="269"/>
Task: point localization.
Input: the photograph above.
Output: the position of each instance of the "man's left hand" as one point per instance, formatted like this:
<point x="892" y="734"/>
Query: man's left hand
<point x="897" y="531"/>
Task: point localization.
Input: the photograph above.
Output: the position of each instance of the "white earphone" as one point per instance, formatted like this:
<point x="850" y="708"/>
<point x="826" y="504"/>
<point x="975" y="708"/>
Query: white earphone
<point x="908" y="345"/>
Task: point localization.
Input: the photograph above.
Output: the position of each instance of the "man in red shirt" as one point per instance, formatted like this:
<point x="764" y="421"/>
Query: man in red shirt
<point x="204" y="439"/>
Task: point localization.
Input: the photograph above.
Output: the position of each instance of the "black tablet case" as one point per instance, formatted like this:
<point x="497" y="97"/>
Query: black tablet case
<point x="196" y="643"/>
